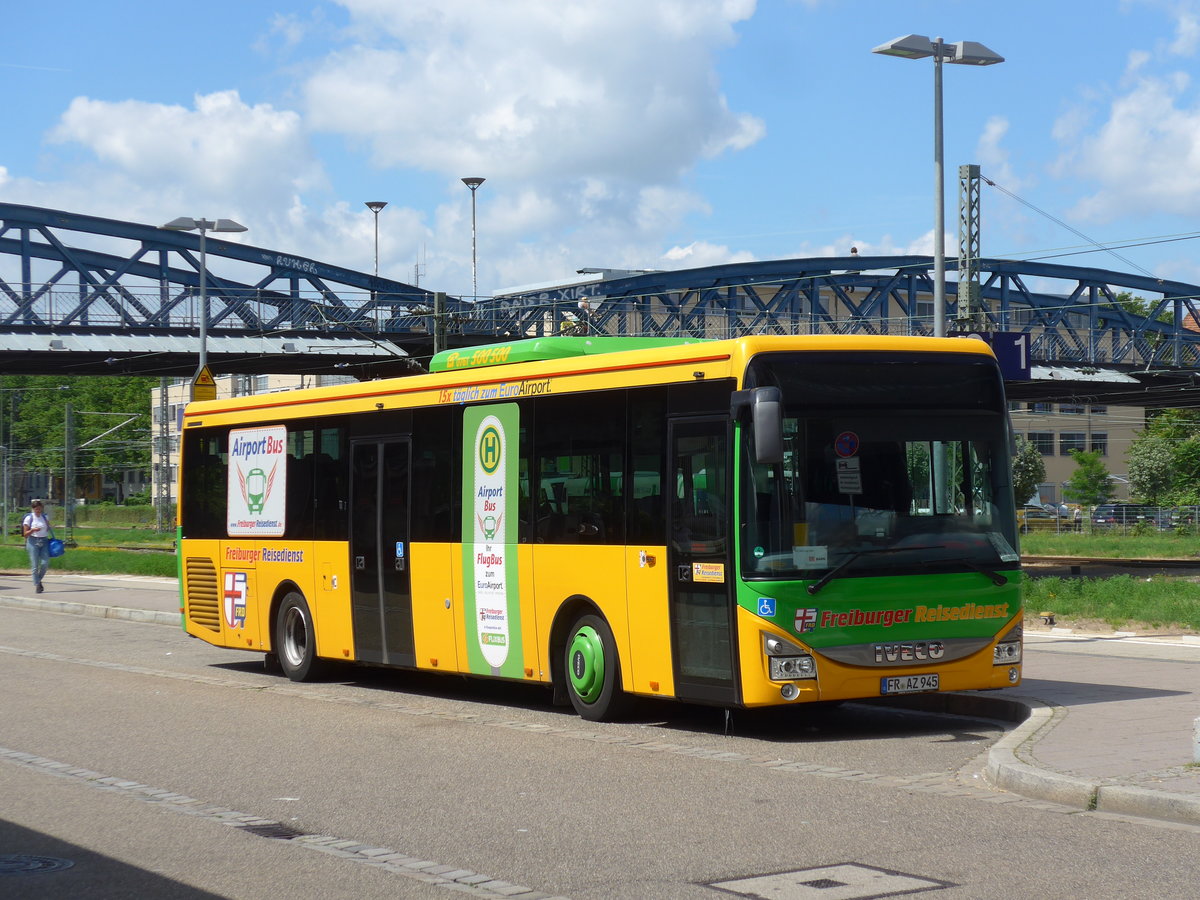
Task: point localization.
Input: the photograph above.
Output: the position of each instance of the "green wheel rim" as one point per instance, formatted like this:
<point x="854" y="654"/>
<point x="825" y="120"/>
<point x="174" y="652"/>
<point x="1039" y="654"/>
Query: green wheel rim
<point x="586" y="662"/>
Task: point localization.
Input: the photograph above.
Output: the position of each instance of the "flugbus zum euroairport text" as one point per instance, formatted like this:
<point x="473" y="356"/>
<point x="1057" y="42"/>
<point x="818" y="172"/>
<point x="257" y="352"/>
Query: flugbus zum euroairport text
<point x="747" y="522"/>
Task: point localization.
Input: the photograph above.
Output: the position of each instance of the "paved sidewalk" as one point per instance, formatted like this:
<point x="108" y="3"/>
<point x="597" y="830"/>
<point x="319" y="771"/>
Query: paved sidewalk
<point x="1101" y="722"/>
<point x="127" y="597"/>
<point x="1114" y="725"/>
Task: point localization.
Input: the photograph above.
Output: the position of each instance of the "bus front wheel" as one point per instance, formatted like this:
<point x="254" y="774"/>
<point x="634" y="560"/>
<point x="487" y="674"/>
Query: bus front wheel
<point x="295" y="643"/>
<point x="592" y="670"/>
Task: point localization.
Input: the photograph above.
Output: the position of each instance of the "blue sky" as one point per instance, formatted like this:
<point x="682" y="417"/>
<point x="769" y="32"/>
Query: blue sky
<point x="614" y="133"/>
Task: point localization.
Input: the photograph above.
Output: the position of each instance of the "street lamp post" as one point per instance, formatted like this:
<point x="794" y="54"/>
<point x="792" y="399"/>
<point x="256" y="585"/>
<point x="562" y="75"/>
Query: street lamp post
<point x="375" y="206"/>
<point x="965" y="53"/>
<point x="4" y="482"/>
<point x="203" y="226"/>
<point x="473" y="184"/>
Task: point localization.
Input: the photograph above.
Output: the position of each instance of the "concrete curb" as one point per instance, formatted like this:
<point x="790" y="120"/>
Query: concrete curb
<point x="71" y="608"/>
<point x="1006" y="770"/>
<point x="1131" y="800"/>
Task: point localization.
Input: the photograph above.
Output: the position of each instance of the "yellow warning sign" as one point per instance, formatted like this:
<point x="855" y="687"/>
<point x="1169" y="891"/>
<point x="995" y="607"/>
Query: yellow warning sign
<point x="204" y="386"/>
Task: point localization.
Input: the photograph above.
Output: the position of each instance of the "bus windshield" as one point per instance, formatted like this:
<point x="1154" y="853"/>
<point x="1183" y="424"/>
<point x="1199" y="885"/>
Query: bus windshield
<point x="890" y="467"/>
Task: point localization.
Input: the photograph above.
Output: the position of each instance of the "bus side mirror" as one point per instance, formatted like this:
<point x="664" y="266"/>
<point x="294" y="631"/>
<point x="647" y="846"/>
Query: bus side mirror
<point x="766" y="413"/>
<point x="763" y="407"/>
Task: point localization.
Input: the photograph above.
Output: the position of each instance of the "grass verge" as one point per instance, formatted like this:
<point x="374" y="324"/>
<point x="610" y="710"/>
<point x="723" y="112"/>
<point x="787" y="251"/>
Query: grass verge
<point x="1112" y="545"/>
<point x="1122" y="601"/>
<point x="98" y="562"/>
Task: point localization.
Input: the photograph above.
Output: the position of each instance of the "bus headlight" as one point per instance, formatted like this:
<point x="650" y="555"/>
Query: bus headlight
<point x="1006" y="653"/>
<point x="791" y="668"/>
<point x="787" y="661"/>
<point x="1008" y="650"/>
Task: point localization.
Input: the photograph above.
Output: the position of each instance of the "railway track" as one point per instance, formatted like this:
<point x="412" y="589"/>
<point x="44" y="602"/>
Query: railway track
<point x="1076" y="564"/>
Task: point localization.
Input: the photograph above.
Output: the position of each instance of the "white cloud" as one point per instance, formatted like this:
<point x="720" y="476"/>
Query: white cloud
<point x="222" y="149"/>
<point x="1187" y="34"/>
<point x="994" y="158"/>
<point x="290" y="29"/>
<point x="583" y="116"/>
<point x="1144" y="158"/>
<point x="528" y="89"/>
<point x="701" y="253"/>
<point x="1137" y="60"/>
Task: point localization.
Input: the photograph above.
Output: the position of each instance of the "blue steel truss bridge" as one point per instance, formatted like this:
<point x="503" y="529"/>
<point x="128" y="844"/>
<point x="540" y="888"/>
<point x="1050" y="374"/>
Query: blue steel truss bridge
<point x="87" y="295"/>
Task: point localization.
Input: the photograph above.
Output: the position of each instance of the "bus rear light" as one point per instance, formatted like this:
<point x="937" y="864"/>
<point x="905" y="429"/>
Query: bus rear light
<point x="1006" y="653"/>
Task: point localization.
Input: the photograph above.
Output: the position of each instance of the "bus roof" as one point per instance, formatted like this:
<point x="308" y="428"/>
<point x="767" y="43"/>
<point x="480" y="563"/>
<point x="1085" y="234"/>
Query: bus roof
<point x="578" y="361"/>
<point x="543" y="348"/>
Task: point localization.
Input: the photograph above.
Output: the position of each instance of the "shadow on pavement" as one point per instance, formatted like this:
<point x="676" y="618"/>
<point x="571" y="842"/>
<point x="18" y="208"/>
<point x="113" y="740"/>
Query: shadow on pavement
<point x="1080" y="693"/>
<point x="808" y="723"/>
<point x="36" y="866"/>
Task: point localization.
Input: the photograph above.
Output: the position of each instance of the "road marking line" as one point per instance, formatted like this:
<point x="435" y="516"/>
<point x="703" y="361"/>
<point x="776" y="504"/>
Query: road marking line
<point x="412" y="867"/>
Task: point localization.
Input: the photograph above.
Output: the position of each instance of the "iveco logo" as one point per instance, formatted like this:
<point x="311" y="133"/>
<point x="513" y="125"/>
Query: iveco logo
<point x="909" y="651"/>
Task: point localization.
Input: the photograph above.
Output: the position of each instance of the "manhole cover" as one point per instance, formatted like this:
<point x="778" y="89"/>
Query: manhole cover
<point x="21" y="864"/>
<point x="848" y="881"/>
<point x="273" y="830"/>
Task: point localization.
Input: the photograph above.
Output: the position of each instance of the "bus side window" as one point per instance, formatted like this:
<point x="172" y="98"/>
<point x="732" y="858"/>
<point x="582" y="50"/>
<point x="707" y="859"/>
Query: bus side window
<point x="645" y="495"/>
<point x="204" y="488"/>
<point x="300" y="475"/>
<point x="580" y="468"/>
<point x="436" y="480"/>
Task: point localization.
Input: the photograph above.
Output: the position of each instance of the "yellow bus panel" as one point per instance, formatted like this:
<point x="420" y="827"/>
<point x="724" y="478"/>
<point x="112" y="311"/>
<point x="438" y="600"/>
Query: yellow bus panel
<point x="647" y="662"/>
<point x="328" y="596"/>
<point x="597" y="574"/>
<point x="435" y="608"/>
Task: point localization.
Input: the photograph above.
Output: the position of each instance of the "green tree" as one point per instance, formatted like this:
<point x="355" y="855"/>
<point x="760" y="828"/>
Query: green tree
<point x="1151" y="469"/>
<point x="1090" y="485"/>
<point x="1028" y="470"/>
<point x="36" y="423"/>
<point x="1164" y="459"/>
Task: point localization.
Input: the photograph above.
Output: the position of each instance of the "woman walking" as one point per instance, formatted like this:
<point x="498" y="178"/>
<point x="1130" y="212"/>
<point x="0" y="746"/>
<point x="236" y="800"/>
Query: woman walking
<point x="36" y="530"/>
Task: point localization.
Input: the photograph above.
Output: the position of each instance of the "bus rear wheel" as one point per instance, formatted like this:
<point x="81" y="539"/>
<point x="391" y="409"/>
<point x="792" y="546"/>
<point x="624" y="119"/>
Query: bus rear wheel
<point x="592" y="670"/>
<point x="295" y="643"/>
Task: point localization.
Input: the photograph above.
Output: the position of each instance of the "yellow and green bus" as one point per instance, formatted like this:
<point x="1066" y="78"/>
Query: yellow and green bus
<point x="750" y="522"/>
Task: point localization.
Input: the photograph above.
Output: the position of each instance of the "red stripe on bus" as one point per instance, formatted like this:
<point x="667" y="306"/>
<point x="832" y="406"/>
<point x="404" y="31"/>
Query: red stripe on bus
<point x="396" y="391"/>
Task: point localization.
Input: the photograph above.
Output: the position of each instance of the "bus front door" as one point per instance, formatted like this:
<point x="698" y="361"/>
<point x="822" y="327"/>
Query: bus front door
<point x="379" y="552"/>
<point x="701" y="577"/>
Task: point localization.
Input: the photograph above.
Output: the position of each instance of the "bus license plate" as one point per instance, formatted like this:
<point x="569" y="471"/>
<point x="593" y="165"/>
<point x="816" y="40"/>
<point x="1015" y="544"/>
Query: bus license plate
<point x="908" y="684"/>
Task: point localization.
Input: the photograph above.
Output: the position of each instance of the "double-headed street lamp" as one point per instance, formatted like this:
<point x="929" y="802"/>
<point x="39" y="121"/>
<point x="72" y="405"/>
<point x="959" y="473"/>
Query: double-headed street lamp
<point x="963" y="53"/>
<point x="203" y="226"/>
<point x="473" y="183"/>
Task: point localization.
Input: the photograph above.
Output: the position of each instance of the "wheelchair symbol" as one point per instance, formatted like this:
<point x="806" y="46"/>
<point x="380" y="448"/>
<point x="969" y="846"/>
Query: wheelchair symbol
<point x="766" y="606"/>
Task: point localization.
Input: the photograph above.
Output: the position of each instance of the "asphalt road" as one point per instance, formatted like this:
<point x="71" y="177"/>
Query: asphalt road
<point x="155" y="765"/>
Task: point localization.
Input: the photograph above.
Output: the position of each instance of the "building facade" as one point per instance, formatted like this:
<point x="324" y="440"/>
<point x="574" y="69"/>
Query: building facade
<point x="1056" y="429"/>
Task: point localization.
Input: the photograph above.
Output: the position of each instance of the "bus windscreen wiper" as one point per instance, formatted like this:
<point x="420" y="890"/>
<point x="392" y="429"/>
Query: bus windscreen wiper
<point x="854" y="557"/>
<point x="996" y="577"/>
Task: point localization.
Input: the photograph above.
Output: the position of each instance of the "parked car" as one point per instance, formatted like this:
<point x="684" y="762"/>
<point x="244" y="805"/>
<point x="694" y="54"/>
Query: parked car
<point x="1185" y="515"/>
<point x="1032" y="515"/>
<point x="1129" y="514"/>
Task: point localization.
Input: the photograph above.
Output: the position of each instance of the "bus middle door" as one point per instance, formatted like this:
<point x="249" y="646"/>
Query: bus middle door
<point x="381" y="595"/>
<point x="701" y="577"/>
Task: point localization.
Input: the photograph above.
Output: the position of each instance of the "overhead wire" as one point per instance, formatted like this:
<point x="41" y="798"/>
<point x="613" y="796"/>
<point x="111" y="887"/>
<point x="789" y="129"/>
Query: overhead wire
<point x="1075" y="231"/>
